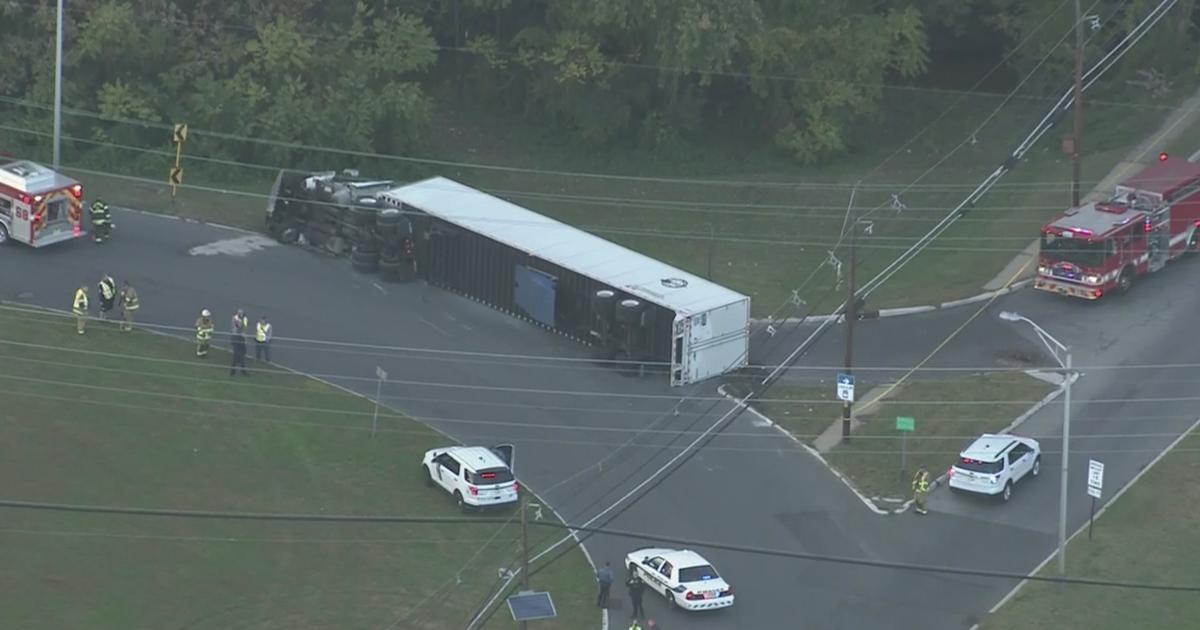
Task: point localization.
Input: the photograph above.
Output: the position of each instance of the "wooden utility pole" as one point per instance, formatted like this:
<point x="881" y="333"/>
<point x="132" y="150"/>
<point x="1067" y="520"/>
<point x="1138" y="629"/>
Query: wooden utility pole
<point x="1077" y="134"/>
<point x="524" y="546"/>
<point x="851" y="311"/>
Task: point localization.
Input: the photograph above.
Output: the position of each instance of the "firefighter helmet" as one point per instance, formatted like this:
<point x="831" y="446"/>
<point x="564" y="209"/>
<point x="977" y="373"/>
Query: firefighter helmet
<point x="205" y="313"/>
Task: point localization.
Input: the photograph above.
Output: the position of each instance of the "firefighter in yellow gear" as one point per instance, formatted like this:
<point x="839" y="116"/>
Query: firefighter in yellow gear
<point x="129" y="305"/>
<point x="108" y="295"/>
<point x="920" y="486"/>
<point x="79" y="306"/>
<point x="102" y="224"/>
<point x="204" y="331"/>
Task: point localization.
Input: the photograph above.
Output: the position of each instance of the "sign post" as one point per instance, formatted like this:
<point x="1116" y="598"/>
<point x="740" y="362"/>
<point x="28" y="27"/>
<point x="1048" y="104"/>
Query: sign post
<point x="382" y="376"/>
<point x="1095" y="485"/>
<point x="905" y="425"/>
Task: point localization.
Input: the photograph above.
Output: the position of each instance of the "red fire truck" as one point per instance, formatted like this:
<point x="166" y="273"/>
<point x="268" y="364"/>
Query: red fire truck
<point x="1100" y="247"/>
<point x="38" y="206"/>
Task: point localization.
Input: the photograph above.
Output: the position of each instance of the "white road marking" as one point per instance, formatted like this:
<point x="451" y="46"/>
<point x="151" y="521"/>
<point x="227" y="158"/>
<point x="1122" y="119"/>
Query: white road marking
<point x="239" y="246"/>
<point x="434" y="326"/>
<point x="381" y="289"/>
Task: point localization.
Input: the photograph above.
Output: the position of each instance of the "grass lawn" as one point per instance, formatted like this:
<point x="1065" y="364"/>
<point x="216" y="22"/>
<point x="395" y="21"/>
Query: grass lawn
<point x="947" y="414"/>
<point x="1148" y="535"/>
<point x="765" y="237"/>
<point x="135" y="419"/>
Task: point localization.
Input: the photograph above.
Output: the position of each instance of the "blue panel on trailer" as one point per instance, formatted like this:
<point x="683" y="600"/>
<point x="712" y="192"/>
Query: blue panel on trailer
<point x="534" y="293"/>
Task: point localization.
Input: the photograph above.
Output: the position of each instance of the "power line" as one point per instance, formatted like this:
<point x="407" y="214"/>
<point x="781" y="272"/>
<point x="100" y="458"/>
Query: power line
<point x="684" y="542"/>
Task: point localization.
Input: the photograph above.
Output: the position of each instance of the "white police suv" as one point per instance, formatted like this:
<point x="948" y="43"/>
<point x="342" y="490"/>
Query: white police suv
<point x="993" y="464"/>
<point x="476" y="476"/>
<point x="684" y="578"/>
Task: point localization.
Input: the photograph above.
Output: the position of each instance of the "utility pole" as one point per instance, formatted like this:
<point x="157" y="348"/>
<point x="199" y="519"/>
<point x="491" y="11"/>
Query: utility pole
<point x="58" y="61"/>
<point x="850" y="312"/>
<point x="1066" y="450"/>
<point x="1077" y="134"/>
<point x="524" y="546"/>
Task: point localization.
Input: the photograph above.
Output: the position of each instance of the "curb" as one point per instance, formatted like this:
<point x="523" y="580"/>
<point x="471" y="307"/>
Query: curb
<point x="903" y="504"/>
<point x="906" y="310"/>
<point x="163" y="215"/>
<point x="741" y="402"/>
<point x="604" y="620"/>
<point x="1104" y="508"/>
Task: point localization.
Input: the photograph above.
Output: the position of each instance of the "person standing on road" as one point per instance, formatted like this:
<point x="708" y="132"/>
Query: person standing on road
<point x="633" y="625"/>
<point x="79" y="306"/>
<point x="636" y="588"/>
<point x="101" y="221"/>
<point x="129" y="305"/>
<point x="604" y="578"/>
<point x="108" y="295"/>
<point x="204" y="331"/>
<point x="920" y="490"/>
<point x="262" y="342"/>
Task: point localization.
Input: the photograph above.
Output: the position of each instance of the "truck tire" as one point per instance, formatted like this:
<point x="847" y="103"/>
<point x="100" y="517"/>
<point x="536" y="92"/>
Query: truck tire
<point x="387" y="224"/>
<point x="1125" y="280"/>
<point x="628" y="311"/>
<point x="363" y="266"/>
<point x="290" y="233"/>
<point x="1194" y="242"/>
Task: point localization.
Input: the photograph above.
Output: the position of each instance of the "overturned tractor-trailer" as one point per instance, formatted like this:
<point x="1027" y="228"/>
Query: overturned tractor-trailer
<point x="631" y="309"/>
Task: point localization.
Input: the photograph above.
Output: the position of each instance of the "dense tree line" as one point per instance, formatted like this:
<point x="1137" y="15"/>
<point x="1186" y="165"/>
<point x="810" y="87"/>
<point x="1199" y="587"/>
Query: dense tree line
<point x="365" y="74"/>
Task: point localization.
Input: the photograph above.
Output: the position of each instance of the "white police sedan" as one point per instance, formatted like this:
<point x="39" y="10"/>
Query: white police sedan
<point x="683" y="577"/>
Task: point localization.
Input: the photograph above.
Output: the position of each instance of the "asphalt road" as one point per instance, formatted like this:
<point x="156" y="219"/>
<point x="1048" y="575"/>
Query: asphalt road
<point x="588" y="437"/>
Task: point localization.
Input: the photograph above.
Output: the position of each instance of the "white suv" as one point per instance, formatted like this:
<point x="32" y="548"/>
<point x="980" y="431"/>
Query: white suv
<point x="993" y="464"/>
<point x="475" y="476"/>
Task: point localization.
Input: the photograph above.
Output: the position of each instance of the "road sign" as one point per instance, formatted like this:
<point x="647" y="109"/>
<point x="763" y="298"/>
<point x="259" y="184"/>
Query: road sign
<point x="179" y="134"/>
<point x="904" y="423"/>
<point x="1095" y="478"/>
<point x="176" y="175"/>
<point x="845" y="387"/>
<point x="380" y="373"/>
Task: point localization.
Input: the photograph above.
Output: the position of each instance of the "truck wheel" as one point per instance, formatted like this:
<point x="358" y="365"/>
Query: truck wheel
<point x="1125" y="281"/>
<point x="3" y="234"/>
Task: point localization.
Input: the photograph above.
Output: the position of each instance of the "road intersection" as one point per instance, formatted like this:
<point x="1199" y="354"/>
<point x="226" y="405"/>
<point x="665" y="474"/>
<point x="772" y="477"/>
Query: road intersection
<point x="588" y="436"/>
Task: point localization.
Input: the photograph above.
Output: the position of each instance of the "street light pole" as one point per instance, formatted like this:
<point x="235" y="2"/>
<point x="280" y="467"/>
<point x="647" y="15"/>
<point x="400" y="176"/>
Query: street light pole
<point x="58" y="54"/>
<point x="1055" y="347"/>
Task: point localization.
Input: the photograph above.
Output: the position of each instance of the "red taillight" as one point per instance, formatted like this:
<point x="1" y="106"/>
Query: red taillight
<point x="473" y="490"/>
<point x="75" y="230"/>
<point x="516" y="486"/>
<point x="950" y="473"/>
<point x="25" y="199"/>
<point x="1162" y="157"/>
<point x="690" y="596"/>
<point x="77" y="191"/>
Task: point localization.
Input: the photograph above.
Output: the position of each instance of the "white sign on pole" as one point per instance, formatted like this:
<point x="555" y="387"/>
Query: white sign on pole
<point x="1095" y="478"/>
<point x="380" y="373"/>
<point x="845" y="387"/>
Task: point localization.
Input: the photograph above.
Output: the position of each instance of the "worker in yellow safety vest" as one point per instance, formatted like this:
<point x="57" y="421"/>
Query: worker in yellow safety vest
<point x="129" y="305"/>
<point x="262" y="340"/>
<point x="204" y="331"/>
<point x="79" y="306"/>
<point x="108" y="295"/>
<point x="920" y="486"/>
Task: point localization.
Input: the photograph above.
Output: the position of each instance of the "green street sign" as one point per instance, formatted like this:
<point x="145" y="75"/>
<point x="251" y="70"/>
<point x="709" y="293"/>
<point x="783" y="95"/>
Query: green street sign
<point x="904" y="423"/>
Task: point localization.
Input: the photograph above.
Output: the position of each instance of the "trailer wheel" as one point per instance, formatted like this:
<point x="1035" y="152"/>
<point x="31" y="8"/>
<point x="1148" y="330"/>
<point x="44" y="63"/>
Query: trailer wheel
<point x="1125" y="281"/>
<point x="3" y="234"/>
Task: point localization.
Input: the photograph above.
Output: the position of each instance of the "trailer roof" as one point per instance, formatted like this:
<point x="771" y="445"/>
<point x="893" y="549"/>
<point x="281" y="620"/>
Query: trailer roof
<point x="1165" y="177"/>
<point x="563" y="245"/>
